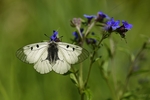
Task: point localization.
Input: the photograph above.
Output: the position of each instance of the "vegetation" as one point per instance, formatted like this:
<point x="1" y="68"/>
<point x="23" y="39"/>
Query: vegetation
<point x="120" y="65"/>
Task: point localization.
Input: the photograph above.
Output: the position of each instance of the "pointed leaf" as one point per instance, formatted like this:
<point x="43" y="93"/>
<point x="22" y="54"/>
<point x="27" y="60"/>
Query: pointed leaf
<point x="88" y="94"/>
<point x="140" y="72"/>
<point x="74" y="79"/>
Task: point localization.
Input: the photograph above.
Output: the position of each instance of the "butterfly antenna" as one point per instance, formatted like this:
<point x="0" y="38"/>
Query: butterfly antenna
<point x="60" y="38"/>
<point x="57" y="29"/>
<point x="46" y="35"/>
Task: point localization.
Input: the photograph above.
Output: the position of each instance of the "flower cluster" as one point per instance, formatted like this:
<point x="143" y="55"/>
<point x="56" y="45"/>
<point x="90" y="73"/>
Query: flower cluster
<point x="107" y="23"/>
<point x="124" y="28"/>
<point x="113" y="26"/>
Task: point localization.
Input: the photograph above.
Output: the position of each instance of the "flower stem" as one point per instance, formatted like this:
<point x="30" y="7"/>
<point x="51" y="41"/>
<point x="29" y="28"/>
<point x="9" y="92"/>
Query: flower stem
<point x="93" y="60"/>
<point x="132" y="68"/>
<point x="89" y="28"/>
<point x="80" y="34"/>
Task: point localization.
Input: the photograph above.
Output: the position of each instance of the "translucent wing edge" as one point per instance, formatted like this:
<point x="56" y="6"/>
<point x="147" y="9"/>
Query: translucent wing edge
<point x="21" y="55"/>
<point x="84" y="55"/>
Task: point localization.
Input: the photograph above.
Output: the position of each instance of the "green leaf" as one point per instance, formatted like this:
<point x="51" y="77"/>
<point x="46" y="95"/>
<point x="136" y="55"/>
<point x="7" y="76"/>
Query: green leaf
<point x="68" y="73"/>
<point x="97" y="58"/>
<point x="140" y="72"/>
<point x="132" y="56"/>
<point x="88" y="94"/>
<point x="105" y="69"/>
<point x="127" y="95"/>
<point x="74" y="79"/>
<point x="105" y="66"/>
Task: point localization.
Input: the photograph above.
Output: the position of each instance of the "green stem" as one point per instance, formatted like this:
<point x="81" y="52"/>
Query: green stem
<point x="89" y="28"/>
<point x="131" y="69"/>
<point x="81" y="84"/>
<point x="82" y="96"/>
<point x="75" y="74"/>
<point x="112" y="90"/>
<point x="93" y="60"/>
<point x="78" y="28"/>
<point x="80" y="79"/>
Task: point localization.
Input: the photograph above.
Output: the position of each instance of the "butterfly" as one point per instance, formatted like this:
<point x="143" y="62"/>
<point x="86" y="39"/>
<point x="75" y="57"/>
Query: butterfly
<point x="52" y="55"/>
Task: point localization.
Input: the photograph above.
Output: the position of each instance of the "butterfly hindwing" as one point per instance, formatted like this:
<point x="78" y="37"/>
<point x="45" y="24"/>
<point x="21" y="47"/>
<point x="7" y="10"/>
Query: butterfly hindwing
<point x="32" y="52"/>
<point x="42" y="65"/>
<point x="61" y="66"/>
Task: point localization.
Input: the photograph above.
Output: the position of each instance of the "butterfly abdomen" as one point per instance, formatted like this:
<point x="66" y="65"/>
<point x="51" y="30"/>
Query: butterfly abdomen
<point x="52" y="53"/>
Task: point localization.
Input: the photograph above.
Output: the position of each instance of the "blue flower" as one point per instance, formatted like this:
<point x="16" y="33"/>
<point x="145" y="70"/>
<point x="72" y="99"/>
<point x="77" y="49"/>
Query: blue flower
<point x="75" y="35"/>
<point x="112" y="25"/>
<point x="126" y="25"/>
<point x="89" y="17"/>
<point x="101" y="16"/>
<point x="54" y="36"/>
<point x="124" y="28"/>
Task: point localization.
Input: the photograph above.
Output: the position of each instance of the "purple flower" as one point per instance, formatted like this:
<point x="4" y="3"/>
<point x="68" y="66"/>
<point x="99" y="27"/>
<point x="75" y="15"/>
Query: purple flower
<point x="54" y="36"/>
<point x="112" y="25"/>
<point x="91" y="40"/>
<point x="101" y="16"/>
<point x="124" y="28"/>
<point x="126" y="25"/>
<point x="76" y="22"/>
<point x="89" y="17"/>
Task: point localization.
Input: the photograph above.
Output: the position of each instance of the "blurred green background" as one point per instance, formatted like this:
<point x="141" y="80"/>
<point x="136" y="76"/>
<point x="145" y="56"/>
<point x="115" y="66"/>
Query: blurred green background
<point x="26" y="21"/>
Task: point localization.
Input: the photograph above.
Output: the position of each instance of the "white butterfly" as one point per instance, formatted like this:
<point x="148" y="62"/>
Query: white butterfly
<point x="48" y="56"/>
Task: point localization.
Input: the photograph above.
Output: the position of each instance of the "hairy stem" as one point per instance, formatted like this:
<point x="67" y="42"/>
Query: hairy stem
<point x="89" y="28"/>
<point x="80" y="34"/>
<point x="93" y="59"/>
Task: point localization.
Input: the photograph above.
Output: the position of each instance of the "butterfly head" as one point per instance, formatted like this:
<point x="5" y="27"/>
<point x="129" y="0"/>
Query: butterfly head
<point x="54" y="37"/>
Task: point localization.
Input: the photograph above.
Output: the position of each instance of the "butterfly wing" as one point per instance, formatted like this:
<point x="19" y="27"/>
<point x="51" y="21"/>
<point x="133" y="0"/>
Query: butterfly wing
<point x="72" y="53"/>
<point x="32" y="52"/>
<point x="36" y="53"/>
<point x="61" y="66"/>
<point x="42" y="65"/>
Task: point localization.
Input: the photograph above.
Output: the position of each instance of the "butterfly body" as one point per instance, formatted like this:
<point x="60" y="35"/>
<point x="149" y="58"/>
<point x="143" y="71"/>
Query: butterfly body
<point x="48" y="56"/>
<point x="52" y="53"/>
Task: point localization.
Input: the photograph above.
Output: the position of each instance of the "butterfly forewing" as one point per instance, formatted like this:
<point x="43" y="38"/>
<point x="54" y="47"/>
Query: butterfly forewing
<point x="32" y="52"/>
<point x="72" y="53"/>
<point x="83" y="56"/>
